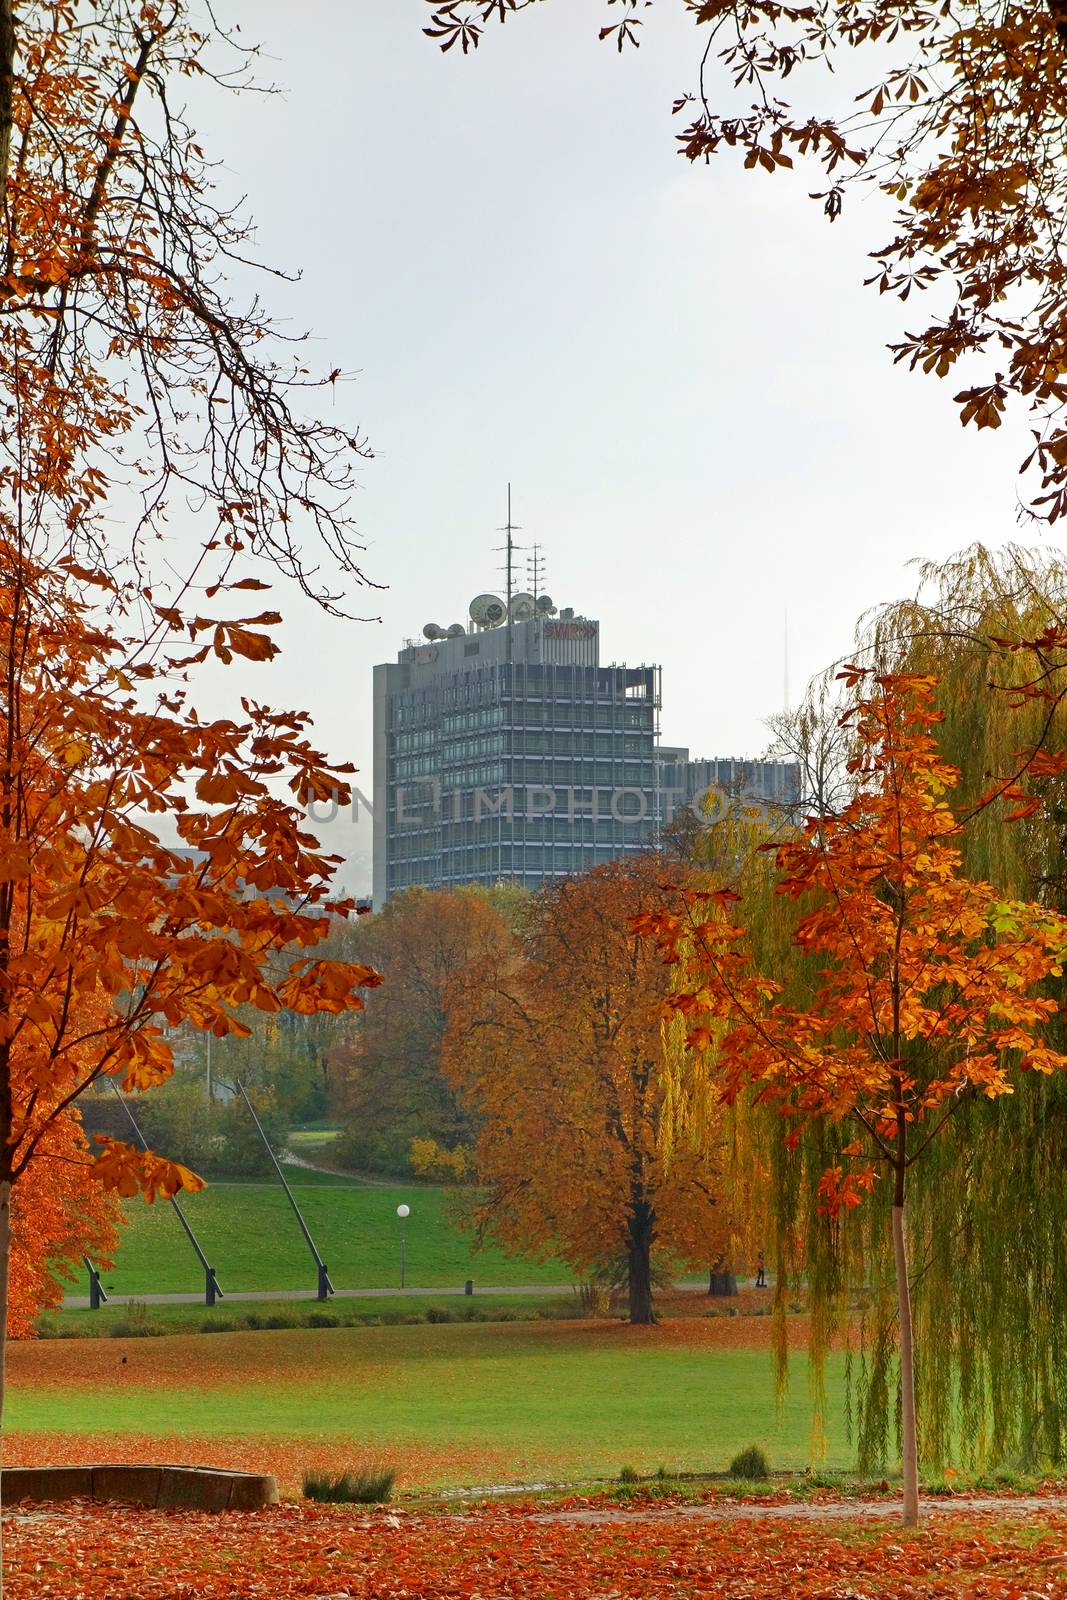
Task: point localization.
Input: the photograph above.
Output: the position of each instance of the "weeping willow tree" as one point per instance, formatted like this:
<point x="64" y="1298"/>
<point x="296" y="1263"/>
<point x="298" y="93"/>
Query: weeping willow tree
<point x="989" y="1204"/>
<point x="990" y="1275"/>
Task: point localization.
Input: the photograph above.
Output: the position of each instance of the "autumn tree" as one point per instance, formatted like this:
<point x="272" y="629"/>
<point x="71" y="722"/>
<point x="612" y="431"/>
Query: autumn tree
<point x="156" y="465"/>
<point x="930" y="987"/>
<point x="111" y="939"/>
<point x="135" y="385"/>
<point x="990" y="1285"/>
<point x="599" y="1136"/>
<point x="960" y="123"/>
<point x="56" y="1219"/>
<point x="390" y="1089"/>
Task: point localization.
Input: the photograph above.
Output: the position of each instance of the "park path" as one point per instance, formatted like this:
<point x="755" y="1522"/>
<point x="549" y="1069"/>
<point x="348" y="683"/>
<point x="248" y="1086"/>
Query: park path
<point x="836" y="1510"/>
<point x="79" y="1302"/>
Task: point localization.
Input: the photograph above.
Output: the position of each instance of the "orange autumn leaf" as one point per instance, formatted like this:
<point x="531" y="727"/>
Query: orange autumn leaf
<point x="129" y="1171"/>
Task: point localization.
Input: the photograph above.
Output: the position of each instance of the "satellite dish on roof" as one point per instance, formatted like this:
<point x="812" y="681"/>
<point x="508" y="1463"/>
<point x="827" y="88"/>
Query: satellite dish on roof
<point x="456" y="630"/>
<point x="522" y="607"/>
<point x="487" y="610"/>
<point x="432" y="631"/>
<point x="545" y="608"/>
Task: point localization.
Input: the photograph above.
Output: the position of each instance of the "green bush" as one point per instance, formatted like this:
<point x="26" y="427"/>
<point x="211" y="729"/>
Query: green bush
<point x="323" y="1319"/>
<point x="48" y="1328"/>
<point x="628" y="1475"/>
<point x="439" y="1314"/>
<point x="350" y="1488"/>
<point x="750" y="1464"/>
<point x="240" y="1148"/>
<point x="136" y="1323"/>
<point x="177" y="1120"/>
<point x="262" y="1320"/>
<point x="215" y="1137"/>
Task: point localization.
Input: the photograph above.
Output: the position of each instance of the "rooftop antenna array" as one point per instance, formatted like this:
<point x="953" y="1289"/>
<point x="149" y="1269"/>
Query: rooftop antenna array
<point x="508" y="550"/>
<point x="535" y="571"/>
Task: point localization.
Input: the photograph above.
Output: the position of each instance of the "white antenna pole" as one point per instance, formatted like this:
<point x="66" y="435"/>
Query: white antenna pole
<point x="509" y="572"/>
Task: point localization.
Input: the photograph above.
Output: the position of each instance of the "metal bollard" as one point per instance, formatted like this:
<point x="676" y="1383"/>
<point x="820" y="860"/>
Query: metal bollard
<point x="97" y="1297"/>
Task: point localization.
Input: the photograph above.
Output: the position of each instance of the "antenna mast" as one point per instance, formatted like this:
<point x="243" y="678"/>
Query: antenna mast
<point x="535" y="566"/>
<point x="509" y="550"/>
<point x="509" y="572"/>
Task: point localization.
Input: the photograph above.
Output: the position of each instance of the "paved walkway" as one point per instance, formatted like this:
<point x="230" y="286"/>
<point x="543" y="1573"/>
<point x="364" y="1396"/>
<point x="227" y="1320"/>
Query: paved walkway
<point x="80" y="1302"/>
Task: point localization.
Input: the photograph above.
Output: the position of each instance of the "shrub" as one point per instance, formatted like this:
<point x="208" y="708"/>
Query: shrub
<point x="175" y="1118"/>
<point x="259" y="1320"/>
<point x="240" y="1149"/>
<point x="323" y="1319"/>
<point x="750" y="1464"/>
<point x="136" y="1323"/>
<point x="440" y="1165"/>
<point x="628" y="1475"/>
<point x="48" y="1328"/>
<point x="439" y="1314"/>
<point x="353" y="1488"/>
<point x="594" y="1299"/>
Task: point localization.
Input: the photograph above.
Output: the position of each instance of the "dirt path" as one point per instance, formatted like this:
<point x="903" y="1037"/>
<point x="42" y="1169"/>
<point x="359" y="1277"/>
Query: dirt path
<point x="838" y="1510"/>
<point x="1008" y="1506"/>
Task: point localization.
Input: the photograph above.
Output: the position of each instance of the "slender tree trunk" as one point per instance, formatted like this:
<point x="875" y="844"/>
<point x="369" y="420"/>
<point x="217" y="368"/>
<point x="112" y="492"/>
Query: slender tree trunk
<point x="909" y="1452"/>
<point x="639" y="1263"/>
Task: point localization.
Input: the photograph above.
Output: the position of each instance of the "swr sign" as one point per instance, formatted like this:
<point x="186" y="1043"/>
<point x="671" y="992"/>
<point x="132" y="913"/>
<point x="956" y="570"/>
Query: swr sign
<point x="570" y="630"/>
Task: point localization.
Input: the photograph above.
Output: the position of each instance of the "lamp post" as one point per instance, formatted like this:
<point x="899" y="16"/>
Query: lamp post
<point x="403" y="1212"/>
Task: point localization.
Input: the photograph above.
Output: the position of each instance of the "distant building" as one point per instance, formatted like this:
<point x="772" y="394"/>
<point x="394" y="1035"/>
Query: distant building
<point x="508" y="753"/>
<point x="681" y="781"/>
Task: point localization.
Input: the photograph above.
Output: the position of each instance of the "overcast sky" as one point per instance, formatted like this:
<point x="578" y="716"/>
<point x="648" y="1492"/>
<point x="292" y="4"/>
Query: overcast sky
<point x="677" y="367"/>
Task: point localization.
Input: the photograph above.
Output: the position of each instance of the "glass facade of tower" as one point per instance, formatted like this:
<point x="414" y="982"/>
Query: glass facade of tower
<point x="489" y="768"/>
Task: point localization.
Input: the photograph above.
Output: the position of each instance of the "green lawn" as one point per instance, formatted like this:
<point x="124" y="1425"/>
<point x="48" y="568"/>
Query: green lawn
<point x="228" y="1314"/>
<point x="454" y="1401"/>
<point x="252" y="1239"/>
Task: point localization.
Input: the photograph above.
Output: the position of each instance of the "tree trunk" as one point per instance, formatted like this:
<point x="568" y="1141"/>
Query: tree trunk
<point x="909" y="1452"/>
<point x="5" y="1265"/>
<point x="639" y="1263"/>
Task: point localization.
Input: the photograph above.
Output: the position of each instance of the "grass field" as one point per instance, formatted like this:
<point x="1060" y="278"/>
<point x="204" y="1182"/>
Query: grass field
<point x="229" y="1315"/>
<point x="448" y="1404"/>
<point x="252" y="1239"/>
